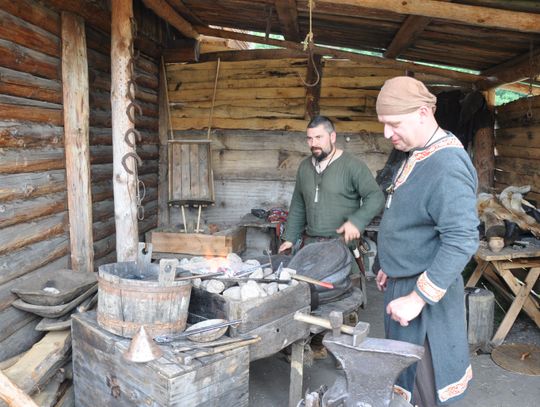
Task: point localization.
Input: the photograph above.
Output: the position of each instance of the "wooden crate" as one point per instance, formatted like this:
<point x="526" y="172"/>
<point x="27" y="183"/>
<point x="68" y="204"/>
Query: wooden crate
<point x="269" y="317"/>
<point x="103" y="378"/>
<point x="219" y="244"/>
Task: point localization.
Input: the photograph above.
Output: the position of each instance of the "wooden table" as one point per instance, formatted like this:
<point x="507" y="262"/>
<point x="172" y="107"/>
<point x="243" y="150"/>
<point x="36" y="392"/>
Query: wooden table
<point x="497" y="269"/>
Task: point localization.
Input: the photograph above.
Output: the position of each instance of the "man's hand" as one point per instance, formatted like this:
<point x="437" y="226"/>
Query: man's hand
<point x="285" y="246"/>
<point x="405" y="309"/>
<point x="350" y="232"/>
<point x="381" y="280"/>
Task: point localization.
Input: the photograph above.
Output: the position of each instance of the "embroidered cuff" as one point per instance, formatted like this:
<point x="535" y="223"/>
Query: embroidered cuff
<point x="427" y="289"/>
<point x="400" y="391"/>
<point x="457" y="388"/>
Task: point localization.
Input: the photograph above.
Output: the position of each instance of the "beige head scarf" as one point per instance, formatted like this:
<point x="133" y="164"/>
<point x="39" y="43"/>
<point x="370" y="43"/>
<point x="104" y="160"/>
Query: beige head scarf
<point x="402" y="95"/>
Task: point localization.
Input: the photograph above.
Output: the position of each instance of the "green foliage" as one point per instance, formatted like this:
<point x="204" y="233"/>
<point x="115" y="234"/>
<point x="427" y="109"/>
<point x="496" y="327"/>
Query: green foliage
<point x="506" y="96"/>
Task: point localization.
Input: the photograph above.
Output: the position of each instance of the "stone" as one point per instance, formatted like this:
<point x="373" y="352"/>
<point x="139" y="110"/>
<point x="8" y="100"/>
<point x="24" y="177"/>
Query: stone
<point x="249" y="290"/>
<point x="233" y="293"/>
<point x="215" y="286"/>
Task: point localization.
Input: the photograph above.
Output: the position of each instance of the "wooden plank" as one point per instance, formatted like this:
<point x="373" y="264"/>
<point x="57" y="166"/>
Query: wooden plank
<point x="29" y="135"/>
<point x="124" y="183"/>
<point x="468" y="14"/>
<point x="29" y="86"/>
<point x="516" y="165"/>
<point x="410" y="30"/>
<point x="76" y="133"/>
<point x="42" y="361"/>
<point x="48" y="396"/>
<point x="30" y="113"/>
<point x="11" y="319"/>
<point x="35" y="13"/>
<point x="269" y="124"/>
<point x="185" y="172"/>
<point x="340" y="54"/>
<point x="31" y="185"/>
<point x="198" y="243"/>
<point x="206" y="189"/>
<point x="195" y="180"/>
<point x="20" y="341"/>
<point x="169" y="14"/>
<point x="519" y="136"/>
<point x="163" y="132"/>
<point x="23" y="211"/>
<point x="30" y="160"/>
<point x="17" y="236"/>
<point x="23" y="59"/>
<point x="529" y="153"/>
<point x="288" y="19"/>
<point x="28" y="35"/>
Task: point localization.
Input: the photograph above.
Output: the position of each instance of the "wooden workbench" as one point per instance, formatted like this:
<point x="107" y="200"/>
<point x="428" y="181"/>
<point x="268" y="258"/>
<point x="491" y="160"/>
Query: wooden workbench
<point x="497" y="269"/>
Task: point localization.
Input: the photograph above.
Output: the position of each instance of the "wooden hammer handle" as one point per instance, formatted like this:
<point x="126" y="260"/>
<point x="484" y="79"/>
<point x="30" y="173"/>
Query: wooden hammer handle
<point x="310" y="319"/>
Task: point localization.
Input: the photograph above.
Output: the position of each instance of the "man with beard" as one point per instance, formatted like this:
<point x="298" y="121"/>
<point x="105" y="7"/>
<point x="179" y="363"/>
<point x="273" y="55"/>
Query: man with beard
<point x="427" y="235"/>
<point x="335" y="193"/>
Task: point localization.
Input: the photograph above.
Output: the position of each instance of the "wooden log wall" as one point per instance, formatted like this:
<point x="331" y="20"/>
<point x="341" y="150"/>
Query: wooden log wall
<point x="34" y="232"/>
<point x="517" y="145"/>
<point x="259" y="127"/>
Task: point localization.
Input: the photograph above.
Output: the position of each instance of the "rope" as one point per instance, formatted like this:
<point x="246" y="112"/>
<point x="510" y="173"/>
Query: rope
<point x="308" y="46"/>
<point x="213" y="99"/>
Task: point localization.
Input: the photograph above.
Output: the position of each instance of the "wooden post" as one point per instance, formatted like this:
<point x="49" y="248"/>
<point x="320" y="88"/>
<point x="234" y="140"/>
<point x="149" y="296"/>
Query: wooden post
<point x="484" y="152"/>
<point x="124" y="183"/>
<point x="164" y="126"/>
<point x="76" y="141"/>
<point x="313" y="93"/>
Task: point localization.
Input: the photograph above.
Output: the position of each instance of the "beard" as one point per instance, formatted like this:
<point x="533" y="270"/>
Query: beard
<point x="322" y="154"/>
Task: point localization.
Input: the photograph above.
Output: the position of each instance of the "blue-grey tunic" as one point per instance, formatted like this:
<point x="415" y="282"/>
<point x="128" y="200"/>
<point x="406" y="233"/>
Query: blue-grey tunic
<point x="427" y="235"/>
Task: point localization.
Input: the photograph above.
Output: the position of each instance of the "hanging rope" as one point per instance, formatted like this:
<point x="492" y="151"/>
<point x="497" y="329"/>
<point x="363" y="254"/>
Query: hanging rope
<point x="213" y="99"/>
<point x="308" y="46"/>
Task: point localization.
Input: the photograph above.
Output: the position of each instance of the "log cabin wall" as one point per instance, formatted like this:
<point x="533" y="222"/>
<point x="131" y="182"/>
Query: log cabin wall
<point x="259" y="122"/>
<point x="34" y="232"/>
<point x="517" y="144"/>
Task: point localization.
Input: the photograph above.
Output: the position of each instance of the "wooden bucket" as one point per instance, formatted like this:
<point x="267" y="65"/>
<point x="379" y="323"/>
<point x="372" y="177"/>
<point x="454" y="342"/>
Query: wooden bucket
<point x="128" y="299"/>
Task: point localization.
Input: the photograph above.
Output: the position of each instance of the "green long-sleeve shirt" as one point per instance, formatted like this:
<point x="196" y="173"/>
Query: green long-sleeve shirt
<point x="347" y="191"/>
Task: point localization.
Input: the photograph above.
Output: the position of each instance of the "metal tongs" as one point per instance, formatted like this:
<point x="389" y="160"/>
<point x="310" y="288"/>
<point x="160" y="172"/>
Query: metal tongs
<point x="171" y="338"/>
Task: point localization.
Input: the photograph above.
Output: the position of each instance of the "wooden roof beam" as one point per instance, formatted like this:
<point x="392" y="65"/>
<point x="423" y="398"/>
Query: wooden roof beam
<point x="288" y="19"/>
<point x="406" y="66"/>
<point x="185" y="12"/>
<point x="409" y="31"/>
<point x="169" y="14"/>
<point x="514" y="70"/>
<point x="460" y="13"/>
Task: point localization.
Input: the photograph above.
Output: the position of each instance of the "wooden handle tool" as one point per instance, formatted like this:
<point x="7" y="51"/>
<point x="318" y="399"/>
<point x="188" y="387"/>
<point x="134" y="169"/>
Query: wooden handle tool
<point x="310" y="319"/>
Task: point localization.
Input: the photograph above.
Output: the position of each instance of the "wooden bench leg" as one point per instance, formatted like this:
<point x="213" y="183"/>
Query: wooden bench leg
<point x="516" y="306"/>
<point x="477" y="273"/>
<point x="297" y="373"/>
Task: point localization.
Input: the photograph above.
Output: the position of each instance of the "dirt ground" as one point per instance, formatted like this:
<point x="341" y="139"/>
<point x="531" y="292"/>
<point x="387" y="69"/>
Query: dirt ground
<point x="492" y="386"/>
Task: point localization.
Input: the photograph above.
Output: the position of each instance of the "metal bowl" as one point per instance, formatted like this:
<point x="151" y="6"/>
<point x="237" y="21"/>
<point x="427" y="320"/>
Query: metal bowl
<point x="207" y="336"/>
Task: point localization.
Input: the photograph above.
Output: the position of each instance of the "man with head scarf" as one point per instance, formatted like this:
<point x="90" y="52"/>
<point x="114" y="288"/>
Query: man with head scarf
<point x="335" y="193"/>
<point x="427" y="235"/>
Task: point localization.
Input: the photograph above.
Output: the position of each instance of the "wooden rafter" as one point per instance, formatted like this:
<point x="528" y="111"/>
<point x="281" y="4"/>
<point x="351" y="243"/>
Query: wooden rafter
<point x="169" y="14"/>
<point x="406" y="66"/>
<point x="288" y="19"/>
<point x="514" y="70"/>
<point x="409" y="31"/>
<point x="185" y="12"/>
<point x="461" y="13"/>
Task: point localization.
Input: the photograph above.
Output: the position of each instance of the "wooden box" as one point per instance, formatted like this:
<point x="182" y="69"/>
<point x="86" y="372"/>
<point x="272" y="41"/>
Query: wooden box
<point x="102" y="377"/>
<point x="269" y="317"/>
<point x="219" y="244"/>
